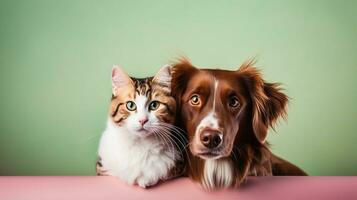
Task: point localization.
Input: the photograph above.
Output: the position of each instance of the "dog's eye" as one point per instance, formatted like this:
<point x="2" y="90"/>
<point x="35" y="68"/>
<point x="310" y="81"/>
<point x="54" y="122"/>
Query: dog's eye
<point x="195" y="100"/>
<point x="233" y="102"/>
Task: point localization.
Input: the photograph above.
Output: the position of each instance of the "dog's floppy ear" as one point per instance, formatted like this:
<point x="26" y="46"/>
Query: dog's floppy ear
<point x="181" y="73"/>
<point x="268" y="102"/>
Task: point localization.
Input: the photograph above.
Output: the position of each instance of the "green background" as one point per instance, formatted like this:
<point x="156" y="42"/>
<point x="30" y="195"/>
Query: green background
<point x="56" y="59"/>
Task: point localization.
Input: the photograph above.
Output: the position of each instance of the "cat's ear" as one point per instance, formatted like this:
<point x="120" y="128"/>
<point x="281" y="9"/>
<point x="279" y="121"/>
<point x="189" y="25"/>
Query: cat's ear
<point x="163" y="77"/>
<point x="119" y="79"/>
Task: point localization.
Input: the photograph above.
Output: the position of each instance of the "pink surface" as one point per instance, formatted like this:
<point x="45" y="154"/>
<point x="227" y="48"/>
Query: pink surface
<point x="108" y="188"/>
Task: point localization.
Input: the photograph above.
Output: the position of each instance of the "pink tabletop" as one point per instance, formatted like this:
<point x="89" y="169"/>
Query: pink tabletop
<point x="108" y="188"/>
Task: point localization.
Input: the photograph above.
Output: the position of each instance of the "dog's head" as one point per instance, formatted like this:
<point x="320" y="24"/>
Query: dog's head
<point x="221" y="108"/>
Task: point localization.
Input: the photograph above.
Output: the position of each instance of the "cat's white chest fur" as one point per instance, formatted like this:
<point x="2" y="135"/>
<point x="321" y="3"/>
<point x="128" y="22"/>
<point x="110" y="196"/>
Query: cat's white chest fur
<point x="142" y="161"/>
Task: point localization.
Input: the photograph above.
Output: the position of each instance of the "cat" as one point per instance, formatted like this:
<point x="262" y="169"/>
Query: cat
<point x="140" y="144"/>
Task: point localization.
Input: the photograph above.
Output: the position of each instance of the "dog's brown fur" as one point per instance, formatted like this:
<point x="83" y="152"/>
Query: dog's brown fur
<point x="244" y="129"/>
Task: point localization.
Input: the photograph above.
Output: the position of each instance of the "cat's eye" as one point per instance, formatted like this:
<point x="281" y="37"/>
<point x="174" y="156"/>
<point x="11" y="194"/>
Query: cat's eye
<point x="195" y="100"/>
<point x="154" y="105"/>
<point x="233" y="102"/>
<point x="130" y="105"/>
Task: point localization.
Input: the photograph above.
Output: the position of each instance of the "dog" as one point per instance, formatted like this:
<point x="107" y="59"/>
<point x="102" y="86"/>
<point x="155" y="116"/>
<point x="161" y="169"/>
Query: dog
<point x="226" y="115"/>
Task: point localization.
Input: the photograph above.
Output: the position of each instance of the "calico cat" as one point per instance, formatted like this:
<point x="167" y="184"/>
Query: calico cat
<point x="138" y="143"/>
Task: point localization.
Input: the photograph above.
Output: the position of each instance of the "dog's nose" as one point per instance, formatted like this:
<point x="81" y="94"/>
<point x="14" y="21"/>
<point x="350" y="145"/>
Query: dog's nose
<point x="211" y="139"/>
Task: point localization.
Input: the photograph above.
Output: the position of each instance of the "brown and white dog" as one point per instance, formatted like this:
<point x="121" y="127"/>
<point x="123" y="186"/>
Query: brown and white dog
<point x="226" y="115"/>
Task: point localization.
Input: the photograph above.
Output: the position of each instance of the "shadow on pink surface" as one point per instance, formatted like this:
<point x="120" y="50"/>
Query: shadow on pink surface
<point x="107" y="188"/>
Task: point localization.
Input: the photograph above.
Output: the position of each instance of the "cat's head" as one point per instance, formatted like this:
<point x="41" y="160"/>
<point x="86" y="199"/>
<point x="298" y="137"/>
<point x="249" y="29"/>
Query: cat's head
<point x="141" y="105"/>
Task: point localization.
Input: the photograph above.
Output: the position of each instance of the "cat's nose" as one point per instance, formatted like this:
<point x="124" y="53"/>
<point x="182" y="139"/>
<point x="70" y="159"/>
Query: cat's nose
<point x="143" y="121"/>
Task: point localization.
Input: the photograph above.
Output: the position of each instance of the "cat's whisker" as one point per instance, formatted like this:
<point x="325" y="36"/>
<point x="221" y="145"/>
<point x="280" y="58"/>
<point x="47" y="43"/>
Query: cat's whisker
<point x="177" y="130"/>
<point x="171" y="126"/>
<point x="178" y="134"/>
<point x="157" y="131"/>
<point x="168" y="136"/>
<point x="158" y="134"/>
<point x="165" y="140"/>
<point x="171" y="146"/>
<point x="167" y="131"/>
<point x="188" y="160"/>
<point x="157" y="137"/>
<point x="178" y="140"/>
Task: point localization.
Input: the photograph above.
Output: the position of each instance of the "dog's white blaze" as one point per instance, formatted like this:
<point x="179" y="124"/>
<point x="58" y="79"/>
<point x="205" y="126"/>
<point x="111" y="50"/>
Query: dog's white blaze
<point x="210" y="120"/>
<point x="214" y="95"/>
<point x="217" y="173"/>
